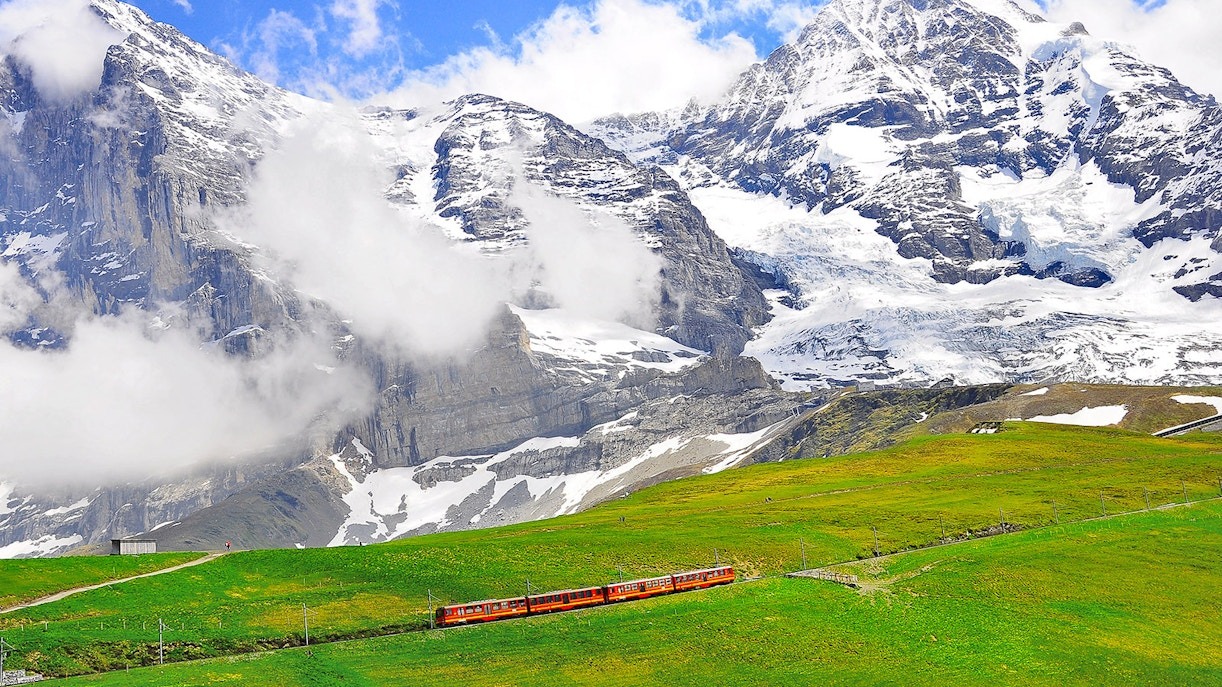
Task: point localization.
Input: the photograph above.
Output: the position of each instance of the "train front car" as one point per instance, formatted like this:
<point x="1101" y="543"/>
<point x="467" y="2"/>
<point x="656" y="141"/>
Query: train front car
<point x="481" y="611"/>
<point x="640" y="589"/>
<point x="566" y="600"/>
<point x="701" y="579"/>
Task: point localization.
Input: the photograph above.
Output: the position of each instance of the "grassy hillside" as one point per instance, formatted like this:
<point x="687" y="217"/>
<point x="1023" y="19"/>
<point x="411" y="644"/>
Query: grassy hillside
<point x="754" y="517"/>
<point x="1127" y="600"/>
<point x="1150" y="408"/>
<point x="33" y="578"/>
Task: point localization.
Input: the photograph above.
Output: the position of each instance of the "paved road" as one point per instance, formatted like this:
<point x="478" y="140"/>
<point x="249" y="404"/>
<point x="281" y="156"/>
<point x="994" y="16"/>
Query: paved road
<point x="69" y="592"/>
<point x="1183" y="429"/>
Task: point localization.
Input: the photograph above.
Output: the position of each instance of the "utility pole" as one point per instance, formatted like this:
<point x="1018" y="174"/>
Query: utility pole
<point x="1146" y="493"/>
<point x="620" y="570"/>
<point x="1184" y="489"/>
<point x="716" y="558"/>
<point x="875" y="540"/>
<point x="1102" y="505"/>
<point x="803" y="543"/>
<point x="160" y="642"/>
<point x="5" y="647"/>
<point x="942" y="524"/>
<point x="305" y="619"/>
<point x="1055" y="514"/>
<point x="432" y="616"/>
<point x="528" y="586"/>
<point x="1001" y="517"/>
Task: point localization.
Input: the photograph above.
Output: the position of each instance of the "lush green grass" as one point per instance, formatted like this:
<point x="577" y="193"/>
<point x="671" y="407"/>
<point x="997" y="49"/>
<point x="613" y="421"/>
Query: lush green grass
<point x="33" y="578"/>
<point x="753" y="517"/>
<point x="1128" y="600"/>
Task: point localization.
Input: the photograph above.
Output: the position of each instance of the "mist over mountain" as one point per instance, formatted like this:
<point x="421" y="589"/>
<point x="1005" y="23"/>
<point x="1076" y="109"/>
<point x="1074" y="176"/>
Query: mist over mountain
<point x="233" y="312"/>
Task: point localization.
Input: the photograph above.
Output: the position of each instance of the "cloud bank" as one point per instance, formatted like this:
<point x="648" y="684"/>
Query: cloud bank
<point x="317" y="210"/>
<point x="582" y="63"/>
<point x="127" y="400"/>
<point x="592" y="265"/>
<point x="316" y="205"/>
<point x="62" y="42"/>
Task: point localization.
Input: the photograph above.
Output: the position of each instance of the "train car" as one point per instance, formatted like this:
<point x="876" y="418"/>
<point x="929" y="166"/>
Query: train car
<point x="640" y="589"/>
<point x="481" y="611"/>
<point x="700" y="579"/>
<point x="566" y="600"/>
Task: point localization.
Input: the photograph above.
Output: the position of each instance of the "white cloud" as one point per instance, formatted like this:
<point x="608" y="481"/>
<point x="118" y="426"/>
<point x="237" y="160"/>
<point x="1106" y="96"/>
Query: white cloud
<point x="17" y="298"/>
<point x="786" y="18"/>
<point x="366" y="32"/>
<point x="316" y="205"/>
<point x="616" y="56"/>
<point x="260" y="51"/>
<point x="125" y="402"/>
<point x="63" y="42"/>
<point x="1181" y="35"/>
<point x="185" y="5"/>
<point x="593" y="265"/>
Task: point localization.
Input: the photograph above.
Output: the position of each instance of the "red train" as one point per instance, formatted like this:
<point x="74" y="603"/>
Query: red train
<point x="569" y="599"/>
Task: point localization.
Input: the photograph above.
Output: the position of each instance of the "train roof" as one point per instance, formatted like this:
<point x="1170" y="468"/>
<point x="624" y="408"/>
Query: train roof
<point x="485" y="601"/>
<point x="643" y="579"/>
<point x="562" y="591"/>
<point x="712" y="569"/>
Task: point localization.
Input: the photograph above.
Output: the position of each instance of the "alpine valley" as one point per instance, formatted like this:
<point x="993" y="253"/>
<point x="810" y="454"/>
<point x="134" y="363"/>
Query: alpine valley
<point x="914" y="193"/>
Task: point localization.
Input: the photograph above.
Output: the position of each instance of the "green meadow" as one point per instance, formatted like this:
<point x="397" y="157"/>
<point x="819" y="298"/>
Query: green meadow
<point x="1121" y="601"/>
<point x="761" y="518"/>
<point x="33" y="578"/>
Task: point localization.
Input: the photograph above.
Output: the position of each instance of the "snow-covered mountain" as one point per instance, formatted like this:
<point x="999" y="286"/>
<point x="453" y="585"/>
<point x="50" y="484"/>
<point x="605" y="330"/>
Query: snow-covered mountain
<point x="958" y="188"/>
<point x="913" y="190"/>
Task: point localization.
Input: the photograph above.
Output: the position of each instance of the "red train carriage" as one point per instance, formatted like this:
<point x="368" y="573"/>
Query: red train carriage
<point x="566" y="600"/>
<point x="481" y="611"/>
<point x="640" y="589"/>
<point x="700" y="579"/>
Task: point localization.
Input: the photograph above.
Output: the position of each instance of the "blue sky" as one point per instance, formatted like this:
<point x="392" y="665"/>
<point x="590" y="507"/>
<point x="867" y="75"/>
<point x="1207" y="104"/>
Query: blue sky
<point x="428" y="31"/>
<point x="587" y="58"/>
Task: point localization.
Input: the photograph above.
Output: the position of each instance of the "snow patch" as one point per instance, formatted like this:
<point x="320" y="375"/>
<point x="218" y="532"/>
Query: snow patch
<point x="393" y="502"/>
<point x="42" y="546"/>
<point x="6" y="498"/>
<point x="738" y="446"/>
<point x="598" y="348"/>
<point x="1038" y="392"/>
<point x="1214" y="401"/>
<point x="1103" y="416"/>
<point x="68" y="509"/>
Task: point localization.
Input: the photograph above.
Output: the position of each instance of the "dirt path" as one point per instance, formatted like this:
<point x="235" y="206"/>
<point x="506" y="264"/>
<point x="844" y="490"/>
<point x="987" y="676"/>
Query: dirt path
<point x="69" y="592"/>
